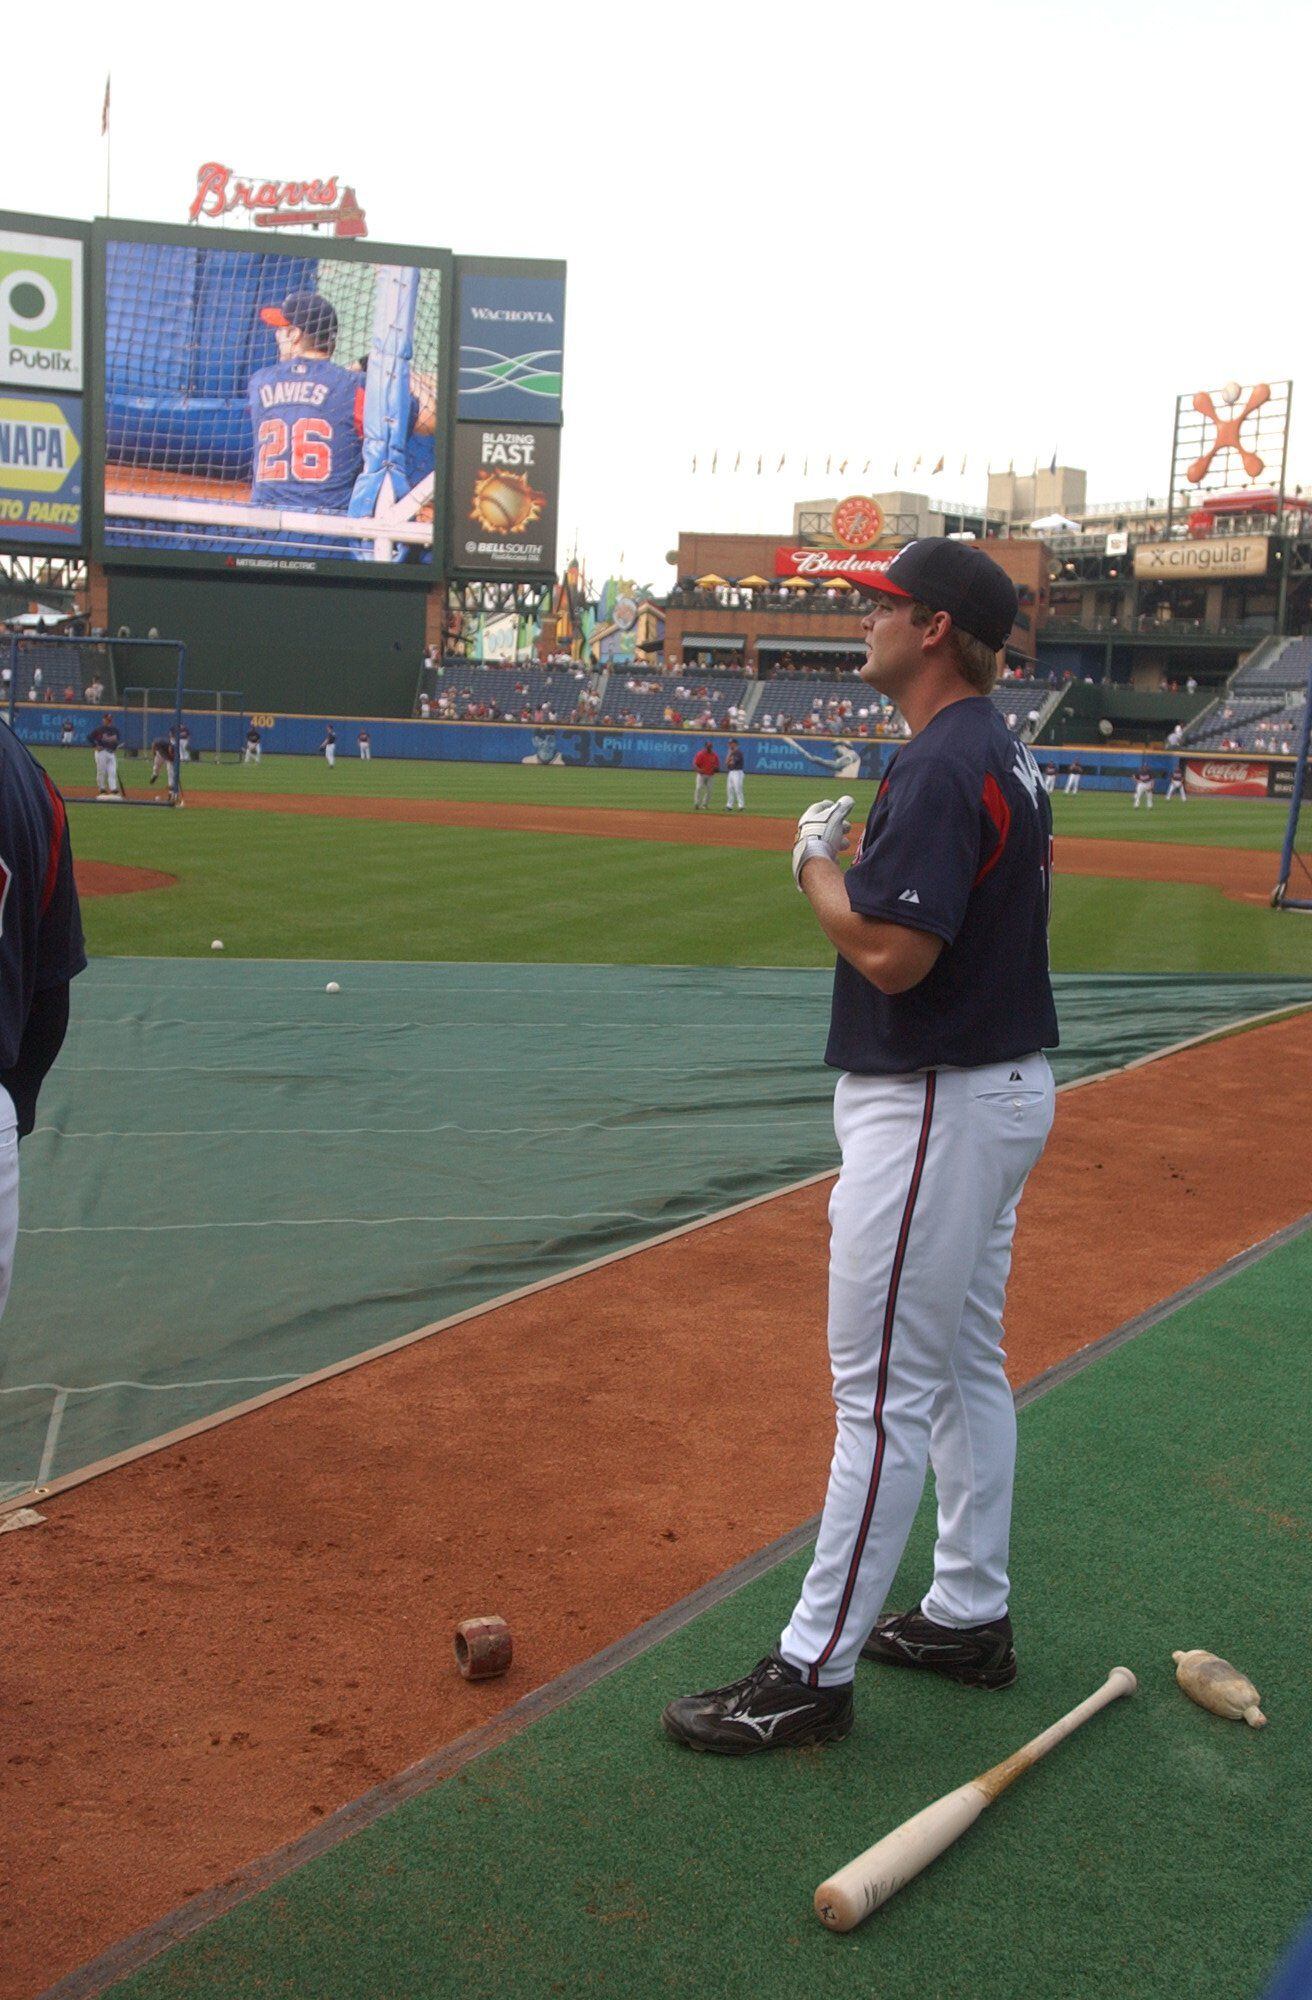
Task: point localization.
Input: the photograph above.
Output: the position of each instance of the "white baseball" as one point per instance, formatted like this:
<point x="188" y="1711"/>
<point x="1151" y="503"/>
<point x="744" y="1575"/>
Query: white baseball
<point x="332" y="987"/>
<point x="216" y="944"/>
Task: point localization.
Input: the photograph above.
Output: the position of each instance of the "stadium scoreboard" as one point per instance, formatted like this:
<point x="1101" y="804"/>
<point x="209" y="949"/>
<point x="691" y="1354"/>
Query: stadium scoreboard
<point x="175" y="398"/>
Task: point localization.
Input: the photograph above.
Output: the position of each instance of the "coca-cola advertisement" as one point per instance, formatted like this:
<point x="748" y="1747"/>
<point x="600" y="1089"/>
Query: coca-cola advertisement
<point x="820" y="564"/>
<point x="1225" y="777"/>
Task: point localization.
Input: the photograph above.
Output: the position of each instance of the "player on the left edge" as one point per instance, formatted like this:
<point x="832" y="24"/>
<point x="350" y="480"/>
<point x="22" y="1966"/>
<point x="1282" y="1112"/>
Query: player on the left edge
<point x="41" y="953"/>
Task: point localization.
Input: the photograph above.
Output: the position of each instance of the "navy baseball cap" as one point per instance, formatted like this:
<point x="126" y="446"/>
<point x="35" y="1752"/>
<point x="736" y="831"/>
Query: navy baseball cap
<point x="310" y="311"/>
<point x="977" y="594"/>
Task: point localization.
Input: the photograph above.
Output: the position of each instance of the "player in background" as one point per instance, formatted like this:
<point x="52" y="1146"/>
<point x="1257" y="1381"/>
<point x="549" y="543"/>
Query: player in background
<point x="329" y="747"/>
<point x="251" y="754"/>
<point x="1073" y="777"/>
<point x="307" y="415"/>
<point x="1143" y="787"/>
<point x="41" y="952"/>
<point x="66" y="732"/>
<point x="184" y="744"/>
<point x="734" y="766"/>
<point x="1050" y="779"/>
<point x="705" y="764"/>
<point x="1175" y="790"/>
<point x="104" y="740"/>
<point x="163" y="752"/>
<point x="365" y="750"/>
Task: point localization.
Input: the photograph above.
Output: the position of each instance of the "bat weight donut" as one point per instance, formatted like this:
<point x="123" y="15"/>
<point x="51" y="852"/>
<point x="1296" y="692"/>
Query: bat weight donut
<point x="483" y="1648"/>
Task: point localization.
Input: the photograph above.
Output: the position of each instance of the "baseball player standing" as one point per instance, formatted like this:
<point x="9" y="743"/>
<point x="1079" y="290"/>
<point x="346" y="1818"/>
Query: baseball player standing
<point x="366" y="752"/>
<point x="105" y="739"/>
<point x="329" y="747"/>
<point x="41" y="952"/>
<point x="733" y="781"/>
<point x="942" y="1007"/>
<point x="251" y="754"/>
<point x="1143" y="787"/>
<point x="705" y="764"/>
<point x="1175" y="790"/>
<point x="1073" y="777"/>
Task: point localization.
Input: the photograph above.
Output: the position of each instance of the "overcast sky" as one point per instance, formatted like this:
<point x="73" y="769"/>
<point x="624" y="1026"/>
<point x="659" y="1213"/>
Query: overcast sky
<point x="843" y="231"/>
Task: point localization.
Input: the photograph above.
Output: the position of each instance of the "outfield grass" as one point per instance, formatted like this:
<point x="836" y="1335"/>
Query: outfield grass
<point x="286" y="886"/>
<point x="1247" y="823"/>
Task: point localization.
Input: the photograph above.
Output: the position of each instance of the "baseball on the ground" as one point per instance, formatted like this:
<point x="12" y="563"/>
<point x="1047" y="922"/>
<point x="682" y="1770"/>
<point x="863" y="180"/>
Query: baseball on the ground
<point x="216" y="944"/>
<point x="332" y="987"/>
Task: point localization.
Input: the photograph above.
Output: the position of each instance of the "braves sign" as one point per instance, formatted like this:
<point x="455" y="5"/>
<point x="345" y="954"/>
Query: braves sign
<point x="276" y="204"/>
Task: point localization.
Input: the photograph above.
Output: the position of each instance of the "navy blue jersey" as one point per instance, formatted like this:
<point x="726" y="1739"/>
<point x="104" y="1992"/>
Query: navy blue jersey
<point x="958" y="843"/>
<point x="734" y="761"/>
<point x="40" y="923"/>
<point x="306" y="424"/>
<point x="106" y="737"/>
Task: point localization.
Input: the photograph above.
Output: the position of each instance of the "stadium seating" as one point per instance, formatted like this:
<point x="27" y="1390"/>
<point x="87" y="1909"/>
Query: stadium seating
<point x="508" y="689"/>
<point x="62" y="665"/>
<point x="1278" y="663"/>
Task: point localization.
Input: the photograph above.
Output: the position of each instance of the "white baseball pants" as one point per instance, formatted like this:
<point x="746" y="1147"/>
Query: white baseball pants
<point x="330" y="754"/>
<point x="1072" y="784"/>
<point x="106" y="771"/>
<point x="921" y="1220"/>
<point x="1144" y="792"/>
<point x="1175" y="790"/>
<point x="733" y="790"/>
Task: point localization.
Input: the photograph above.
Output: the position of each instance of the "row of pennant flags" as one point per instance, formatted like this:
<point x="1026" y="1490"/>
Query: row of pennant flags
<point x="743" y="462"/>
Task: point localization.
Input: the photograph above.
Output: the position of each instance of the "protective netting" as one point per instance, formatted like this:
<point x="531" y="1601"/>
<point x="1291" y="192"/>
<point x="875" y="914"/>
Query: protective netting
<point x="238" y="1178"/>
<point x="263" y="404"/>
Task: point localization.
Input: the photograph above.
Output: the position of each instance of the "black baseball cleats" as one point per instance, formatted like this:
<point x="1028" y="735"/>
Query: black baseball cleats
<point x="979" y="1656"/>
<point x="771" y="1708"/>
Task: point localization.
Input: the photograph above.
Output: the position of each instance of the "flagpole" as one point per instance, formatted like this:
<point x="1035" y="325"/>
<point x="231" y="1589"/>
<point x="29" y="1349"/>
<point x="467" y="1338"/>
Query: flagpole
<point x="109" y="142"/>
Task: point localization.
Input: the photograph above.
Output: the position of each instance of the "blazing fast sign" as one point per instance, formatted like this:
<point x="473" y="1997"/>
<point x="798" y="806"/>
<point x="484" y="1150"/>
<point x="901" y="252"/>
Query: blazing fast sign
<point x="269" y="204"/>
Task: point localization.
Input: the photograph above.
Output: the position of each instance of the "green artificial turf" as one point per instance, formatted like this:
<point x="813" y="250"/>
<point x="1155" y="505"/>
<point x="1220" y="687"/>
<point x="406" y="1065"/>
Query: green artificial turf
<point x="1160" y="1852"/>
<point x="1247" y="823"/>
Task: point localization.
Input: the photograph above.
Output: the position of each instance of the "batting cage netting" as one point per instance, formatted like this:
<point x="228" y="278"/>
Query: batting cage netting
<point x="259" y="404"/>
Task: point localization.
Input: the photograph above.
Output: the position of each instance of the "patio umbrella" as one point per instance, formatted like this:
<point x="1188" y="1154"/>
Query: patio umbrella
<point x="795" y="583"/>
<point x="711" y="582"/>
<point x="753" y="583"/>
<point x="837" y="583"/>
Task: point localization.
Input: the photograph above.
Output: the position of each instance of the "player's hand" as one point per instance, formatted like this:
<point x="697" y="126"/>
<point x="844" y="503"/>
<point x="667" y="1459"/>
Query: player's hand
<point x="823" y="831"/>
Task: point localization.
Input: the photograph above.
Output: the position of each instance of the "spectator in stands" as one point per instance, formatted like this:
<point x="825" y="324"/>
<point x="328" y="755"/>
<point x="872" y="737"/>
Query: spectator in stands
<point x="705" y="764"/>
<point x="37" y="679"/>
<point x="425" y="707"/>
<point x="70" y="694"/>
<point x="95" y="690"/>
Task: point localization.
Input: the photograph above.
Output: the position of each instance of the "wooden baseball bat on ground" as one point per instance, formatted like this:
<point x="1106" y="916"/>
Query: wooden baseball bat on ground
<point x="869" y="1881"/>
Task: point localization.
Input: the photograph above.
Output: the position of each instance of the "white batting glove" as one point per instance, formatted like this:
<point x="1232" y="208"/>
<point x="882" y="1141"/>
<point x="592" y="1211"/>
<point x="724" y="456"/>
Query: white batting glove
<point x="823" y="831"/>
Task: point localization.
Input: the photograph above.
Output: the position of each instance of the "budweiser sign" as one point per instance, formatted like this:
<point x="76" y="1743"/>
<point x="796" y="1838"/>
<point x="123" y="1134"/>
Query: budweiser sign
<point x="276" y="204"/>
<point x="823" y="563"/>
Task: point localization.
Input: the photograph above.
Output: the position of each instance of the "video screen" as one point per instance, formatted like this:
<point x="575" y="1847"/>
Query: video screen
<point x="276" y="412"/>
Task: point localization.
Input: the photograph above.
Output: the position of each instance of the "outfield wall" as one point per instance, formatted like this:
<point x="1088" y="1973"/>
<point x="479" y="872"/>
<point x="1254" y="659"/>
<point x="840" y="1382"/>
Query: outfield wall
<point x="828" y="759"/>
